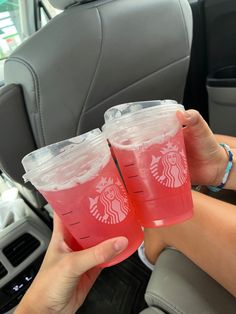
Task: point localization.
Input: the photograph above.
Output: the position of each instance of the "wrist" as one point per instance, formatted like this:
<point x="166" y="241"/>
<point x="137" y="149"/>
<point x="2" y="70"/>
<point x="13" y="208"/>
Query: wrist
<point x="25" y="307"/>
<point x="30" y="304"/>
<point x="231" y="182"/>
<point x="222" y="165"/>
<point x="225" y="167"/>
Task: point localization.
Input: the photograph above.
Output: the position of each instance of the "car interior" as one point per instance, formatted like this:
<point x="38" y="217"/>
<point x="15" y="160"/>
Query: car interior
<point x="58" y="83"/>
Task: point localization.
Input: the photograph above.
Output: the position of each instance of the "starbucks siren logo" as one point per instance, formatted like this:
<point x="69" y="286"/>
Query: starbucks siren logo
<point x="110" y="206"/>
<point x="170" y="168"/>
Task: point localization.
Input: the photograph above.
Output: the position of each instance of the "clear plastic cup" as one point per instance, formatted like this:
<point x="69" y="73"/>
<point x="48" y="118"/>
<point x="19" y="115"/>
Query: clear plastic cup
<point x="148" y="143"/>
<point x="79" y="179"/>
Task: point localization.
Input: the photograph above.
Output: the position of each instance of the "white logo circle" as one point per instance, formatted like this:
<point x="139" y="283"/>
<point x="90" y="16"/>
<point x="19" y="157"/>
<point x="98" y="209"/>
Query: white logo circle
<point x="111" y="205"/>
<point x="170" y="168"/>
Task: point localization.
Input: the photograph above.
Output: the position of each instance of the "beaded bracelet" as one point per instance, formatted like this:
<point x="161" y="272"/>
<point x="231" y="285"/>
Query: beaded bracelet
<point x="227" y="170"/>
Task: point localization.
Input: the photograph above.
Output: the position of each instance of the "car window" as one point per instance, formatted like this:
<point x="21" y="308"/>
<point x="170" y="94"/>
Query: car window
<point x="10" y="29"/>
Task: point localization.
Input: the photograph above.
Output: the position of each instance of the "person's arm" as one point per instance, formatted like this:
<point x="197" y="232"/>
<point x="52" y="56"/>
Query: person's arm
<point x="66" y="277"/>
<point x="208" y="239"/>
<point x="229" y="140"/>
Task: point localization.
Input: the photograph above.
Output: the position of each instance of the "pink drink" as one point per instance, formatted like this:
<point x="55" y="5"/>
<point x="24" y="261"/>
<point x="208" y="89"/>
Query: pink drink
<point x="157" y="180"/>
<point x="96" y="210"/>
<point x="70" y="240"/>
<point x="78" y="177"/>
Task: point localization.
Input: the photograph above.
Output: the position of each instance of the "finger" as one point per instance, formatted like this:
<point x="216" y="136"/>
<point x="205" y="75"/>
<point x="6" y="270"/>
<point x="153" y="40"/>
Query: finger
<point x="58" y="229"/>
<point x="80" y="262"/>
<point x="188" y="117"/>
<point x="194" y="122"/>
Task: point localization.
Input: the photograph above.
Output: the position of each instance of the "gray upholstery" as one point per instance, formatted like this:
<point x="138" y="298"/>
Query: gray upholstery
<point x="95" y="55"/>
<point x="63" y="4"/>
<point x="15" y="132"/>
<point x="16" y="140"/>
<point x="179" y="286"/>
<point x="152" y="310"/>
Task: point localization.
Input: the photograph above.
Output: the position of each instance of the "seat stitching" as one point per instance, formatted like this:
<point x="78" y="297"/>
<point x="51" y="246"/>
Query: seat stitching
<point x="163" y="302"/>
<point x="137" y="82"/>
<point x="94" y="74"/>
<point x="36" y="86"/>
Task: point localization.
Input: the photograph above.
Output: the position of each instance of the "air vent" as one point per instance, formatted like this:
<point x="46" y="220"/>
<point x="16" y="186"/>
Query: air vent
<point x="3" y="271"/>
<point x="21" y="248"/>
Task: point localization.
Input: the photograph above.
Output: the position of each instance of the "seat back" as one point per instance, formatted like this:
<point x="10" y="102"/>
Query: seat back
<point x="99" y="54"/>
<point x="16" y="140"/>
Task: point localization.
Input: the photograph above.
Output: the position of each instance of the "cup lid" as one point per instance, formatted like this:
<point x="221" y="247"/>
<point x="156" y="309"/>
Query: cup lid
<point x="49" y="156"/>
<point x="133" y="109"/>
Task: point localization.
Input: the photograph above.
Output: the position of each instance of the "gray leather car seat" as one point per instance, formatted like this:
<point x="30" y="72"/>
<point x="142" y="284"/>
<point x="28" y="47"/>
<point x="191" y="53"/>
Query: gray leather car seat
<point x="98" y="54"/>
<point x="178" y="286"/>
<point x="16" y="140"/>
<point x="152" y="310"/>
<point x="95" y="55"/>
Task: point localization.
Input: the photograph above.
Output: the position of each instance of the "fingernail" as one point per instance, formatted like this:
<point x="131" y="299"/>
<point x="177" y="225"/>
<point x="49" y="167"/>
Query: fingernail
<point x="187" y="115"/>
<point x="120" y="244"/>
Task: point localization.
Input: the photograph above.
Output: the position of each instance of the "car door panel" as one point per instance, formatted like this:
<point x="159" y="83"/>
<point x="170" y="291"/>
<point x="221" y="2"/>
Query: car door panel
<point x="220" y="18"/>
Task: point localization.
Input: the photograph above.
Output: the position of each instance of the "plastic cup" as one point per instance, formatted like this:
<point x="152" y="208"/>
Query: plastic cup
<point x="148" y="144"/>
<point x="79" y="179"/>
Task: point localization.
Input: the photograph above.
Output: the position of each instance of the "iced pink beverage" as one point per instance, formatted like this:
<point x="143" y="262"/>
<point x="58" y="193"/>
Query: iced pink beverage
<point x="158" y="182"/>
<point x="97" y="210"/>
<point x="79" y="179"/>
<point x="148" y="144"/>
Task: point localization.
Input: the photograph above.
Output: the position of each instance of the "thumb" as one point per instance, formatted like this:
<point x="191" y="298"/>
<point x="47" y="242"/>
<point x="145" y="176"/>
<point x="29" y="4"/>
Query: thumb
<point x="194" y="123"/>
<point x="84" y="260"/>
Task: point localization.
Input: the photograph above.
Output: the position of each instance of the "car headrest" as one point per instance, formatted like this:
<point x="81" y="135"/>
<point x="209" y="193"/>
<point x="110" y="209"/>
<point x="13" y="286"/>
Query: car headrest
<point x="63" y="4"/>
